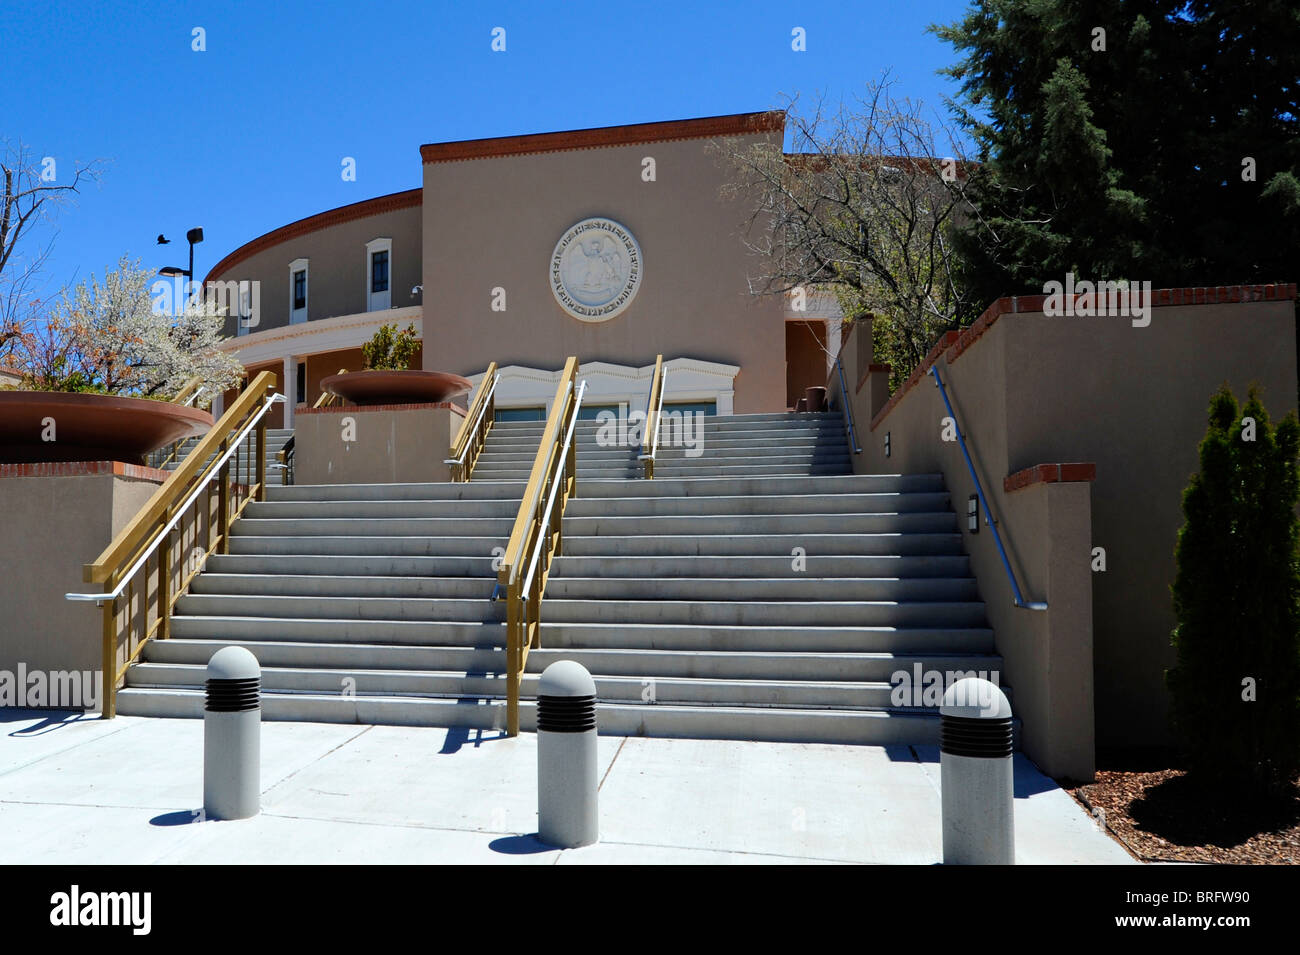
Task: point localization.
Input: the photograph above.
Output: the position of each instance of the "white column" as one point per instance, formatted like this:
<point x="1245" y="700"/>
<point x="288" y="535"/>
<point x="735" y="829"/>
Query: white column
<point x="833" y="326"/>
<point x="289" y="388"/>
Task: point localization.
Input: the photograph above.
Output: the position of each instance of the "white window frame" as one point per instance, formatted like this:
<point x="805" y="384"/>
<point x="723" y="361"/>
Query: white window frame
<point x="243" y="304"/>
<point x="299" y="315"/>
<point x="377" y="301"/>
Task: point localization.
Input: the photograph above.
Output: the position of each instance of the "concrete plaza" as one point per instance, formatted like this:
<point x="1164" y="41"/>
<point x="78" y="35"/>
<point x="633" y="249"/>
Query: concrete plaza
<point x="76" y="789"/>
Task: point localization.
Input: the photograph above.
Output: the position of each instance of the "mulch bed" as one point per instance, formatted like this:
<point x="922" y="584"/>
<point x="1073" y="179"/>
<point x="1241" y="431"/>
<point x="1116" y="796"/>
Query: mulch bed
<point x="1161" y="815"/>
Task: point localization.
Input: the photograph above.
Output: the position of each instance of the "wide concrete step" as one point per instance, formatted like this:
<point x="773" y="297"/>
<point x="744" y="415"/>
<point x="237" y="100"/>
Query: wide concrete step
<point x="790" y="546"/>
<point x="818" y="694"/>
<point x="953" y="613"/>
<point x="745" y="440"/>
<point x="469" y="713"/>
<point x="772" y="419"/>
<point x="605" y="568"/>
<point x="595" y="588"/>
<point x="888" y="502"/>
<point x="864" y="727"/>
<point x="760" y="589"/>
<point x="652" y="525"/>
<point x="595" y="452"/>
<point x="758" y="504"/>
<point x="703" y="486"/>
<point x="313" y="510"/>
<point x="784" y="566"/>
<point x="760" y="470"/>
<point x="765" y="613"/>
<point x="414" y="644"/>
<point x="375" y="527"/>
<point x="708" y="458"/>
<point x="469" y="491"/>
<point x="699" y="486"/>
<point x="342" y="565"/>
<point x="422" y="546"/>
<point x="789" y="666"/>
<point x="343" y="586"/>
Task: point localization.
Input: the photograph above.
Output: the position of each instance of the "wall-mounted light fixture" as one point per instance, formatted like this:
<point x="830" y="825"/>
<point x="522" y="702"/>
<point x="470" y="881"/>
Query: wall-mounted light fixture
<point x="973" y="514"/>
<point x="886" y="444"/>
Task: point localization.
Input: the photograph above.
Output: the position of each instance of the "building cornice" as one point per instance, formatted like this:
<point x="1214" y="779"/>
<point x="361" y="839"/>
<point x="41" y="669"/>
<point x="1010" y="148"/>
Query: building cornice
<point x="321" y="334"/>
<point x="322" y="220"/>
<point x="736" y="124"/>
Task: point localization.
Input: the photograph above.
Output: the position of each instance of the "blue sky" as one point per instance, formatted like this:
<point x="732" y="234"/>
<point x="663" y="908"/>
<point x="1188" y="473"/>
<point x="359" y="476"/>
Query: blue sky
<point x="250" y="134"/>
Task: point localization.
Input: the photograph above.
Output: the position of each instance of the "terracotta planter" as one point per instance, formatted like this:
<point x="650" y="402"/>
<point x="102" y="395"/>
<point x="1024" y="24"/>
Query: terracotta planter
<point x="91" y="427"/>
<point x="396" y="387"/>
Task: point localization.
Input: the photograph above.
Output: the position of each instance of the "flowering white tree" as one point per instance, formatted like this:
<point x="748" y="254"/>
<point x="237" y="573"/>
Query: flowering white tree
<point x="106" y="336"/>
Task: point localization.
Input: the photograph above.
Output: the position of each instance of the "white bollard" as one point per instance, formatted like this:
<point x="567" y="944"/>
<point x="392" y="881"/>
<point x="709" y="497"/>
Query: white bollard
<point x="567" y="772"/>
<point x="232" y="728"/>
<point x="975" y="775"/>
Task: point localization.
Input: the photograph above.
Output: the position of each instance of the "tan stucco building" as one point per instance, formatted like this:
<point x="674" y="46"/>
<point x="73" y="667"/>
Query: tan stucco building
<point x="468" y="260"/>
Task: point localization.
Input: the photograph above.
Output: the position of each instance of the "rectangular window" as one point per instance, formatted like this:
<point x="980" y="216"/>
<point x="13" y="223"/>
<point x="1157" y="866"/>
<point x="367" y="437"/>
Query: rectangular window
<point x="300" y="289"/>
<point x="379" y="272"/>
<point x="521" y="414"/>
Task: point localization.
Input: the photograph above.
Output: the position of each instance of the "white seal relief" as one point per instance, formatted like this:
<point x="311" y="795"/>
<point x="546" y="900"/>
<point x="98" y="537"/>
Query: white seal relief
<point x="595" y="270"/>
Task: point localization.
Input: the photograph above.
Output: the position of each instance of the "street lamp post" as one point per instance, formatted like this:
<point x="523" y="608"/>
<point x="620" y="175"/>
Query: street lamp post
<point x="194" y="236"/>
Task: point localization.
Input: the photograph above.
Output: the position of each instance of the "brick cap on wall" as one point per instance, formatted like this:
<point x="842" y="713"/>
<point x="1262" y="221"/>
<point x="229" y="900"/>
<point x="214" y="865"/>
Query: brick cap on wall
<point x="1050" y="474"/>
<point x="954" y="343"/>
<point x="83" y="469"/>
<point x="735" y="124"/>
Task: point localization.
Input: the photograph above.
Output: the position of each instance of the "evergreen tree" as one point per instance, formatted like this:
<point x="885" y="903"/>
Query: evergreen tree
<point x="1120" y="154"/>
<point x="1236" y="686"/>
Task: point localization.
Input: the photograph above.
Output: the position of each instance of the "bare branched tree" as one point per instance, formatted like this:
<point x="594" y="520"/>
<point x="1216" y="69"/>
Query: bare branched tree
<point x="32" y="191"/>
<point x="865" y="205"/>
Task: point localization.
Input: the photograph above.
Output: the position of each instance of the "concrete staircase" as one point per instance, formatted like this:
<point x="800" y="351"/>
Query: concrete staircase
<point x="275" y="439"/>
<point x="806" y="444"/>
<point x="758" y="591"/>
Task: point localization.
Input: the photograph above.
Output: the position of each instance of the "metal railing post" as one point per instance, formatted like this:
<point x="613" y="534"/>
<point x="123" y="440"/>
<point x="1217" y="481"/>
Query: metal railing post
<point x="848" y="412"/>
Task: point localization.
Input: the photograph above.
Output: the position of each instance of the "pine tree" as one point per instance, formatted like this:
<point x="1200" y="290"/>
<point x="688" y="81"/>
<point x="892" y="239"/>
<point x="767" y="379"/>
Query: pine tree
<point x="1236" y="686"/>
<point x="1129" y="162"/>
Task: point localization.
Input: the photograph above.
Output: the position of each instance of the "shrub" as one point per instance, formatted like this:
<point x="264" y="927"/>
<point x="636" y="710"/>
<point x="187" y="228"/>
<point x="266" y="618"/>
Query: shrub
<point x="1236" y="686"/>
<point x="390" y="350"/>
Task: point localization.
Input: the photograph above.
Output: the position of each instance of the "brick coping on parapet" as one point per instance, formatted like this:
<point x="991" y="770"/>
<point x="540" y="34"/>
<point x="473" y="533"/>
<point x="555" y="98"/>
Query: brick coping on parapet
<point x="352" y="409"/>
<point x="83" y="469"/>
<point x="954" y="343"/>
<point x="1050" y="474"/>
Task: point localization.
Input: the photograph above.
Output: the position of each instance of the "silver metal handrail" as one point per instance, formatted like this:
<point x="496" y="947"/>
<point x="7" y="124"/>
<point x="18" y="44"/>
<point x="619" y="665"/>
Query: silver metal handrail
<point x="848" y="412"/>
<point x="555" y="485"/>
<point x="195" y="397"/>
<point x="984" y="504"/>
<point x="460" y="458"/>
<point x="659" y="408"/>
<point x="249" y="425"/>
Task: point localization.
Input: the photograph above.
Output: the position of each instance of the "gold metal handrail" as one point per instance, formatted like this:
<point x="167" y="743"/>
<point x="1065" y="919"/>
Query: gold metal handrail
<point x="327" y="397"/>
<point x="189" y="391"/>
<point x="142" y="573"/>
<point x="653" y="413"/>
<point x="535" y="538"/>
<point x="479" y="419"/>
